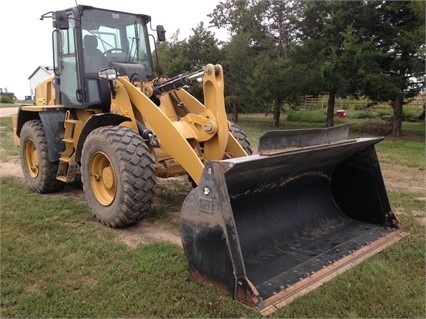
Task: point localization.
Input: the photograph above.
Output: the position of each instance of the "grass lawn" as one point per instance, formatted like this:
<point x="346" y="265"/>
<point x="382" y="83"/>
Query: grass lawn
<point x="58" y="261"/>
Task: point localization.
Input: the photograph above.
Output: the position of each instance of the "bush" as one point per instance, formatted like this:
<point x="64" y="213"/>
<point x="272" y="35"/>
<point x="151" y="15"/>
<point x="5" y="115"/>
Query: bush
<point x="363" y="114"/>
<point x="6" y="99"/>
<point x="375" y="127"/>
<point x="411" y="115"/>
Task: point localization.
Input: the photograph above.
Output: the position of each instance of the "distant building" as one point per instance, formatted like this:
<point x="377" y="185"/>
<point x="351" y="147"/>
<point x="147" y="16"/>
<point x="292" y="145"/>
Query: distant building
<point x="39" y="75"/>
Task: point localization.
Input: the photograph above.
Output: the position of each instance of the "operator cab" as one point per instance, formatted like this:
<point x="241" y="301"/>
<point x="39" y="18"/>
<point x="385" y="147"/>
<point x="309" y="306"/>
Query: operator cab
<point x="87" y="40"/>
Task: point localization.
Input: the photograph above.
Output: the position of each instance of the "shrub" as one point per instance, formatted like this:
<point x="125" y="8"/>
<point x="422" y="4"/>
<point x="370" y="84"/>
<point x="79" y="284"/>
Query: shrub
<point x="363" y="114"/>
<point x="6" y="99"/>
<point x="411" y="115"/>
<point x="375" y="127"/>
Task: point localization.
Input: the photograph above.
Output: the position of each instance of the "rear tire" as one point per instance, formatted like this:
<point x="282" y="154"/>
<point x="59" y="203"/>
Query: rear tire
<point x="241" y="137"/>
<point x="39" y="173"/>
<point x="117" y="171"/>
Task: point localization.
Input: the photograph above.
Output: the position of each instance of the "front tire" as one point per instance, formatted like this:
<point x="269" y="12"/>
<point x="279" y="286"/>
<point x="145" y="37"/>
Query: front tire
<point x="117" y="171"/>
<point x="238" y="133"/>
<point x="39" y="173"/>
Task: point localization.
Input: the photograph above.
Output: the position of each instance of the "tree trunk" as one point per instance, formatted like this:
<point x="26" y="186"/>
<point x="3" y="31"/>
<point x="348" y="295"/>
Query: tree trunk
<point x="234" y="111"/>
<point x="330" y="110"/>
<point x="397" y="116"/>
<point x="277" y="113"/>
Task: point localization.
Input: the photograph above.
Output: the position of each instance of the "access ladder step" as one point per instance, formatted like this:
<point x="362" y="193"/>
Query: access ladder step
<point x="67" y="171"/>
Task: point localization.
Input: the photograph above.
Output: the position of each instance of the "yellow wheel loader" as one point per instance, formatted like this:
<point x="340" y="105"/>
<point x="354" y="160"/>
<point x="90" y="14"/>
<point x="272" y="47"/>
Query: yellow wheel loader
<point x="266" y="227"/>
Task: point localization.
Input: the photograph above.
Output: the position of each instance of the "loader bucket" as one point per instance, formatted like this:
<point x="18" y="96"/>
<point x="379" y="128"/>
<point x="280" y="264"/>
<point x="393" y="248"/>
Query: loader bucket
<point x="271" y="227"/>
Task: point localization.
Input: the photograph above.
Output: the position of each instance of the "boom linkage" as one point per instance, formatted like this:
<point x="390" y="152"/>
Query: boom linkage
<point x="178" y="81"/>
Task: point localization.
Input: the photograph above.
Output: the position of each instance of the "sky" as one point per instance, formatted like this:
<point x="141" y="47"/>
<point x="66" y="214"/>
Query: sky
<point x="26" y="40"/>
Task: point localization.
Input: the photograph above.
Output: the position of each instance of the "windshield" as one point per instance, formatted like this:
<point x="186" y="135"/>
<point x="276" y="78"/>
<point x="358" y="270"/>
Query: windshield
<point x="120" y="37"/>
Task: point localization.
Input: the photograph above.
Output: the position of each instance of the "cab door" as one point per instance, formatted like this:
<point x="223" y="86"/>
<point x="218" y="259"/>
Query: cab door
<point x="66" y="65"/>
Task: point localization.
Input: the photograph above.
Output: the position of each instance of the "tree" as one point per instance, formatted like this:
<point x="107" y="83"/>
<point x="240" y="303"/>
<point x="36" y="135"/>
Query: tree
<point x="335" y="41"/>
<point x="237" y="66"/>
<point x="268" y="29"/>
<point x="172" y="57"/>
<point x="202" y="49"/>
<point x="401" y="56"/>
<point x="281" y="27"/>
<point x="188" y="55"/>
<point x="368" y="48"/>
<point x="242" y="19"/>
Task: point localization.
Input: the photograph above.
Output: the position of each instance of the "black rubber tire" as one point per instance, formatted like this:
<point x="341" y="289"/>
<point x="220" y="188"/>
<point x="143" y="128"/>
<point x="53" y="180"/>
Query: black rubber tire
<point x="238" y="133"/>
<point x="117" y="171"/>
<point x="241" y="137"/>
<point x="39" y="173"/>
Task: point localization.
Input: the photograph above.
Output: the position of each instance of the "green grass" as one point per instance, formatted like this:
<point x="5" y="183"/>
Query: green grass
<point x="402" y="152"/>
<point x="314" y="116"/>
<point x="7" y="146"/>
<point x="408" y="150"/>
<point x="58" y="261"/>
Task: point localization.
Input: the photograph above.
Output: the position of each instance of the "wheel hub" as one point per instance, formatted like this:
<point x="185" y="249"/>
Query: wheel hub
<point x="102" y="181"/>
<point x="108" y="177"/>
<point x="31" y="158"/>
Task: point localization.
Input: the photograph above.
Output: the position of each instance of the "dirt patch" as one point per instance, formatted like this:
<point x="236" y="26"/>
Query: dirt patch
<point x="166" y="228"/>
<point x="11" y="168"/>
<point x="396" y="177"/>
<point x="8" y="111"/>
<point x="149" y="230"/>
<point x="163" y="223"/>
<point x="407" y="179"/>
<point x="152" y="228"/>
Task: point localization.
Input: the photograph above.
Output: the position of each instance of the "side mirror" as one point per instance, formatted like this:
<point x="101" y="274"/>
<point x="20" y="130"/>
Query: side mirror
<point x="161" y="33"/>
<point x="60" y="20"/>
<point x="108" y="73"/>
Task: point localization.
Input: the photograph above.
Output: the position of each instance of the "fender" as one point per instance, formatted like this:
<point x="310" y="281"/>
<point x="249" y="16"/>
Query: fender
<point x="53" y="124"/>
<point x="94" y="122"/>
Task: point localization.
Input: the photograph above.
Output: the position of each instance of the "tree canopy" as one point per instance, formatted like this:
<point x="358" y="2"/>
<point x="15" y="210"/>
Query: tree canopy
<point x="278" y="51"/>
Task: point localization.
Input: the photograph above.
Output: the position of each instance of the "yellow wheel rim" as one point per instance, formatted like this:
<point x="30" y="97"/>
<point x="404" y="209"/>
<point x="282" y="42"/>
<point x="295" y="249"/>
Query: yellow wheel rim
<point x="31" y="158"/>
<point x="102" y="178"/>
